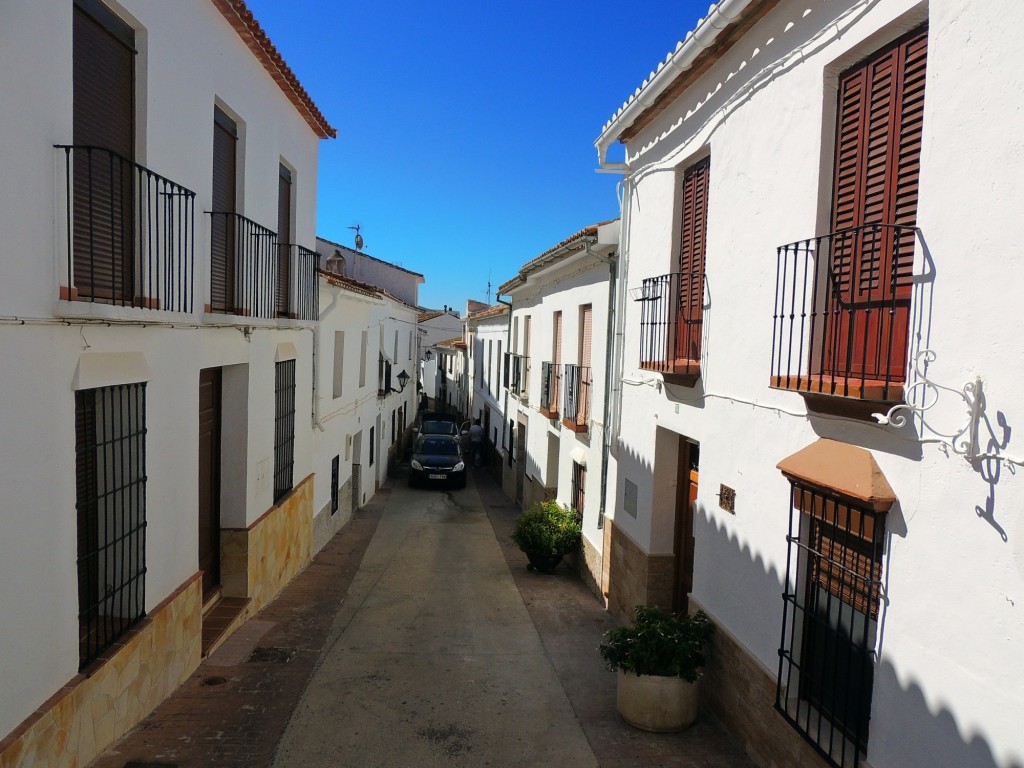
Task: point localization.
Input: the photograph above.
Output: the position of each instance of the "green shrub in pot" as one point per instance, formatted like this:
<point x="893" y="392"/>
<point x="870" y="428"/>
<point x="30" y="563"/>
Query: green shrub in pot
<point x="659" y="643"/>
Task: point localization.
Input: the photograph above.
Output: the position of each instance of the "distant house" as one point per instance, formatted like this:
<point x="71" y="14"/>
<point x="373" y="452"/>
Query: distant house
<point x="160" y="289"/>
<point x="555" y="375"/>
<point x="362" y="267"/>
<point x="818" y="243"/>
<point x="487" y="341"/>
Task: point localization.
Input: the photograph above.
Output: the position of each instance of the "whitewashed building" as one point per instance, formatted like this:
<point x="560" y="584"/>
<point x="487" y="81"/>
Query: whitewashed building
<point x="365" y="397"/>
<point x="158" y="298"/>
<point x="486" y="342"/>
<point x="817" y="227"/>
<point x="554" y="374"/>
<point x="400" y="282"/>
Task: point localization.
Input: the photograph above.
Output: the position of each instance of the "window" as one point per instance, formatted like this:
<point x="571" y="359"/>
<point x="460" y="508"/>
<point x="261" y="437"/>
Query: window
<point x="383" y="376"/>
<point x="284" y="427"/>
<point x="373" y="446"/>
<point x="335" y="479"/>
<point x="395" y="355"/>
<point x="110" y="492"/>
<point x="579" y="482"/>
<point x="362" y="359"/>
<point x="339" y="362"/>
<point x="223" y="226"/>
<point x="511" y="441"/>
<point x="392" y="426"/>
<point x="826" y="662"/>
<point x="282" y="303"/>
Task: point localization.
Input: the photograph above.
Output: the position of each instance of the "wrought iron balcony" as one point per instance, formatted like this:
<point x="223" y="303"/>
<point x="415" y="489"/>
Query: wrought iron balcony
<point x="550" y="389"/>
<point x="842" y="313"/>
<point x="253" y="275"/>
<point x="517" y="374"/>
<point x="576" y="414"/>
<point x="671" y="325"/>
<point x="131" y="233"/>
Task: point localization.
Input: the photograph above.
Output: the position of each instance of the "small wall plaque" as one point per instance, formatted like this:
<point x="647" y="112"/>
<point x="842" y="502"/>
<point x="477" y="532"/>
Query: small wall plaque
<point x="727" y="499"/>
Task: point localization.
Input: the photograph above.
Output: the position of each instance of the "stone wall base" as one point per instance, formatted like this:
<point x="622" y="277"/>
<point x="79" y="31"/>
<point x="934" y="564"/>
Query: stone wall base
<point x="588" y="564"/>
<point x="739" y="692"/>
<point x="256" y="562"/>
<point x="95" y="709"/>
<point x="326" y="524"/>
<point x="632" y="576"/>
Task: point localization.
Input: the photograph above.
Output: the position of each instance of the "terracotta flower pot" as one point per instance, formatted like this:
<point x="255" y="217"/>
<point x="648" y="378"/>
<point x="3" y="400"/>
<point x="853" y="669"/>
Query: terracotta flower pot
<point x="659" y="704"/>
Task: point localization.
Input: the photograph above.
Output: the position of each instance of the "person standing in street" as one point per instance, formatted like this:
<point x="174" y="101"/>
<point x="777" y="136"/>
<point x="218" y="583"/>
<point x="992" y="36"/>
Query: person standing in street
<point x="476" y="442"/>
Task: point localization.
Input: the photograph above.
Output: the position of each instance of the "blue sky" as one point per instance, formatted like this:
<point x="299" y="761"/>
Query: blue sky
<point x="466" y="130"/>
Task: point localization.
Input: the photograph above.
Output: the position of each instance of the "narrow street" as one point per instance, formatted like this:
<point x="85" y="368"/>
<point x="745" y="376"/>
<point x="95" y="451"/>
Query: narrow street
<point x="416" y="638"/>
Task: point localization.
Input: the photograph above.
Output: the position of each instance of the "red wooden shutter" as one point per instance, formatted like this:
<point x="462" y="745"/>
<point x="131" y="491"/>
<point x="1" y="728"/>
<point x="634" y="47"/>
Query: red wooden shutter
<point x="692" y="250"/>
<point x="104" y="119"/>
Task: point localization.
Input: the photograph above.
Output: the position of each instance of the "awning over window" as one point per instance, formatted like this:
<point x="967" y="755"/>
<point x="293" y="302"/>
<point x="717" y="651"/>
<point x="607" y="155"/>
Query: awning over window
<point x="842" y="468"/>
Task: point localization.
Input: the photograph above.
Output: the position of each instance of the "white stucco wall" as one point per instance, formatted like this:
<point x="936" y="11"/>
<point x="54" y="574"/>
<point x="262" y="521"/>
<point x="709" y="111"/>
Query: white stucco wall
<point x="175" y="95"/>
<point x="484" y="379"/>
<point x="949" y="642"/>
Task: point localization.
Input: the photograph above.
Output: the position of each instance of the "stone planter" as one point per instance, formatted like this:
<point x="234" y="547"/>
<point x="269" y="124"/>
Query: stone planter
<point x="544" y="563"/>
<point x="658" y="704"/>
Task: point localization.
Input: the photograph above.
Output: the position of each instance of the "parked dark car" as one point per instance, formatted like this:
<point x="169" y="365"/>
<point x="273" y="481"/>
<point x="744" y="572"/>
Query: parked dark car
<point x="437" y="459"/>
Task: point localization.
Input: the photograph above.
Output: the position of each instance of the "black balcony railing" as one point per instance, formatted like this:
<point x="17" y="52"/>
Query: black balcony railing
<point x="254" y="275"/>
<point x="517" y="374"/>
<point x="671" y="323"/>
<point x="576" y="413"/>
<point x="131" y="233"/>
<point x="842" y="313"/>
<point x="550" y="388"/>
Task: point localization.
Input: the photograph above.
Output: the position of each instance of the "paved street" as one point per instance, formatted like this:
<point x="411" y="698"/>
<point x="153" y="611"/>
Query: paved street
<point x="416" y="638"/>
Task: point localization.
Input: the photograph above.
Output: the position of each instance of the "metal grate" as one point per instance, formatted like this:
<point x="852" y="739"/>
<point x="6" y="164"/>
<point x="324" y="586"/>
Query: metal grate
<point x="579" y="482"/>
<point x="110" y="468"/>
<point x="827" y="656"/>
<point x="284" y="427"/>
<point x="577" y="396"/>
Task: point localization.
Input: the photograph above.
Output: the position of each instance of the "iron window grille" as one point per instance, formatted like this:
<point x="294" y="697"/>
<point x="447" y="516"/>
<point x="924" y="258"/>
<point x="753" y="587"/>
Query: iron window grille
<point x="383" y="376"/>
<point x="110" y="479"/>
<point x="579" y="482"/>
<point x="373" y="445"/>
<point x="284" y="427"/>
<point x="830" y="615"/>
<point x="335" y="479"/>
<point x="550" y="389"/>
<point x="672" y="322"/>
<point x="131" y="233"/>
<point x="576" y="414"/>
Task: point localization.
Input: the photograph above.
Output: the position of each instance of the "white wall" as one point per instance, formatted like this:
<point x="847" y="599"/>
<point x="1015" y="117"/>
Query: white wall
<point x="949" y="668"/>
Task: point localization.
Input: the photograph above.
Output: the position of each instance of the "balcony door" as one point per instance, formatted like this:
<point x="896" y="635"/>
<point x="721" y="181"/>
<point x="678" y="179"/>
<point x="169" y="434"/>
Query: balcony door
<point x="104" y="136"/>
<point x="689" y="297"/>
<point x="284" y="239"/>
<point x="878" y="148"/>
<point x="223" y="269"/>
<point x="209" y="478"/>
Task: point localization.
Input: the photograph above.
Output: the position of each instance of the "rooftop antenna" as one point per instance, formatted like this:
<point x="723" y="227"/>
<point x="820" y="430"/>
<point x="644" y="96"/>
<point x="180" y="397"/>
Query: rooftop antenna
<point x="488" y="287"/>
<point x="359" y="238"/>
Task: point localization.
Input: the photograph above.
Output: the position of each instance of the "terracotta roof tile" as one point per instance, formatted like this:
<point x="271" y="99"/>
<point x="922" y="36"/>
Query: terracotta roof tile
<point x="245" y="24"/>
<point x="538" y="261"/>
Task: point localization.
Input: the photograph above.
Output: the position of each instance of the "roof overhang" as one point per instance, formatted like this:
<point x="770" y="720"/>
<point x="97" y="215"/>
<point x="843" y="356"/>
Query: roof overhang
<point x="601" y="237"/>
<point x="715" y="34"/>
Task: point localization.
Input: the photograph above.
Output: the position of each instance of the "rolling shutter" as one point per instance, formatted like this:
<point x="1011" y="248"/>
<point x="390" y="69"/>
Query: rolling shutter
<point x="284" y="239"/>
<point x="104" y="128"/>
<point x="586" y="333"/>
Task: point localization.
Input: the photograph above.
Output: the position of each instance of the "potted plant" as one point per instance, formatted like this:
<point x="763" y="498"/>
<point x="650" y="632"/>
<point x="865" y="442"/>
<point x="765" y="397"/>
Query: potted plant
<point x="658" y="660"/>
<point x="546" y="532"/>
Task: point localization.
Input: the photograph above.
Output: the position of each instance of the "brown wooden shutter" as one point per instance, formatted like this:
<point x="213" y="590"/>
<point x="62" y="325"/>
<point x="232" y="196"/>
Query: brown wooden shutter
<point x="847" y="567"/>
<point x="586" y="322"/>
<point x="878" y="148"/>
<point x="104" y="134"/>
<point x="557" y="331"/>
<point x="284" y="239"/>
<point x="222" y="225"/>
<point x="692" y="252"/>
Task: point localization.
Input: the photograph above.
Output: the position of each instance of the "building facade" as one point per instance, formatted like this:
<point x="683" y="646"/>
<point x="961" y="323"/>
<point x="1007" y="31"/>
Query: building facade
<point x="341" y="260"/>
<point x="812" y="423"/>
<point x="159" y="297"/>
<point x="486" y="342"/>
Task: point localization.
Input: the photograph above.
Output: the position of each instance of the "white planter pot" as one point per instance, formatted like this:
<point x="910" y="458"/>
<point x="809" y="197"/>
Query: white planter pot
<point x="659" y="704"/>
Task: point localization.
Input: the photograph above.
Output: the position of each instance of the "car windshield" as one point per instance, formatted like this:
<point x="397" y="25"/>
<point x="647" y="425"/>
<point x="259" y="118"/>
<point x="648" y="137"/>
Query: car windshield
<point x="438" y="428"/>
<point x="439" y="446"/>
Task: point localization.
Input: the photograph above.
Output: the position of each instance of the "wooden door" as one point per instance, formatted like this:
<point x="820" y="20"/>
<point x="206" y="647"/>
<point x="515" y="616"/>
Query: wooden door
<point x="692" y="249"/>
<point x="284" y="238"/>
<point x="878" y="148"/>
<point x="223" y="268"/>
<point x="209" y="477"/>
<point x="686" y="499"/>
<point x="104" y="134"/>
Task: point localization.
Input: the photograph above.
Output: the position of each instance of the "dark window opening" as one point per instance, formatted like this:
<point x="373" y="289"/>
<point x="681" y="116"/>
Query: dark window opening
<point x="335" y="478"/>
<point x="110" y="480"/>
<point x="373" y="445"/>
<point x="579" y="482"/>
<point x="284" y="427"/>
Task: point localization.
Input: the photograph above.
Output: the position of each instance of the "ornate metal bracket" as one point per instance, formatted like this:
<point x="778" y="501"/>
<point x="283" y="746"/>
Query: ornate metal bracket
<point x="963" y="441"/>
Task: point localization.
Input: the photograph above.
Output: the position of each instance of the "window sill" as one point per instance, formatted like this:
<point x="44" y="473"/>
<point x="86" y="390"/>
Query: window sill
<point x="680" y="371"/>
<point x="837" y="396"/>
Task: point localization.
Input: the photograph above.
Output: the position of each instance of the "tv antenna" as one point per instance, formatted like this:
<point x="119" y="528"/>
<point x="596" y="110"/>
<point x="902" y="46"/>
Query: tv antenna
<point x="488" y="287"/>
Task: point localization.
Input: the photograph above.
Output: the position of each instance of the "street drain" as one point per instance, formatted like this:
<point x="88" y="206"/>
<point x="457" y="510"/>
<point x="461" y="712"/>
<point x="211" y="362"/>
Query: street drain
<point x="144" y="764"/>
<point x="205" y="681"/>
<point x="270" y="656"/>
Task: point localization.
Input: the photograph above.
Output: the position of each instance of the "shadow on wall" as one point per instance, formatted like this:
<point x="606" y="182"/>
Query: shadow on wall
<point x="907" y="730"/>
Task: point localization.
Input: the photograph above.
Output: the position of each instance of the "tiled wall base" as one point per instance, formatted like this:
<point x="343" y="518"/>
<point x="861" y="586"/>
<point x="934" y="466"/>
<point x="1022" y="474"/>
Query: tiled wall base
<point x="90" y="713"/>
<point x="740" y="693"/>
<point x="325" y="525"/>
<point x="632" y="577"/>
<point x="256" y="562"/>
<point x="588" y="563"/>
